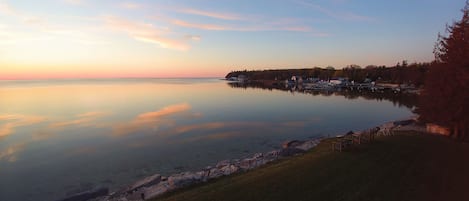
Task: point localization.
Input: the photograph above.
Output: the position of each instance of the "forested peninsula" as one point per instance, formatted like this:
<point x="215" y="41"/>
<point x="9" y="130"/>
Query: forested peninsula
<point x="402" y="73"/>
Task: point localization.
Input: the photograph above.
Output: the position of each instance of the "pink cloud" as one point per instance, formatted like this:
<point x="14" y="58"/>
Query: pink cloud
<point x="145" y="32"/>
<point x="7" y="9"/>
<point x="130" y="5"/>
<point x="211" y="14"/>
<point x="74" y="2"/>
<point x="246" y="28"/>
<point x="200" y="26"/>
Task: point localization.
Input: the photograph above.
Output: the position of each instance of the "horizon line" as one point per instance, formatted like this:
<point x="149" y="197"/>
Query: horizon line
<point x="107" y="78"/>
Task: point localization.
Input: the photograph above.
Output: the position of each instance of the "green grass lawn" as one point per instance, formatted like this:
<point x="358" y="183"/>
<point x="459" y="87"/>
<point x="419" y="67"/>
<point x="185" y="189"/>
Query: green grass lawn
<point x="408" y="166"/>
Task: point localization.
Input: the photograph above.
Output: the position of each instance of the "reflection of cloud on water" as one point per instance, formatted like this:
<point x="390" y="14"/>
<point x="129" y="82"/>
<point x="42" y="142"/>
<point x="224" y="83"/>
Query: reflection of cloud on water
<point x="151" y="119"/>
<point x="82" y="151"/>
<point x="294" y="124"/>
<point x="15" y="120"/>
<point x="236" y="125"/>
<point x="217" y="136"/>
<point x="218" y="131"/>
<point x="84" y="119"/>
<point x="166" y="111"/>
<point x="12" y="121"/>
<point x="10" y="154"/>
<point x="205" y="126"/>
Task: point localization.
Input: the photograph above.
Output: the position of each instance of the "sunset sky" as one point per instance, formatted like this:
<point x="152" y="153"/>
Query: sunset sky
<point x="42" y="39"/>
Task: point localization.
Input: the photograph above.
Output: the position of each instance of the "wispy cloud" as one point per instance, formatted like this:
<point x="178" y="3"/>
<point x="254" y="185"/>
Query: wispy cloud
<point x="212" y="27"/>
<point x="75" y="2"/>
<point x="145" y="32"/>
<point x="211" y="14"/>
<point x="342" y="15"/>
<point x="193" y="37"/>
<point x="6" y="9"/>
<point x="248" y="27"/>
<point x="41" y="25"/>
<point x="130" y="5"/>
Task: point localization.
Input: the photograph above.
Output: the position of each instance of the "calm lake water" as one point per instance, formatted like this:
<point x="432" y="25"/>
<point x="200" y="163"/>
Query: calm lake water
<point x="62" y="137"/>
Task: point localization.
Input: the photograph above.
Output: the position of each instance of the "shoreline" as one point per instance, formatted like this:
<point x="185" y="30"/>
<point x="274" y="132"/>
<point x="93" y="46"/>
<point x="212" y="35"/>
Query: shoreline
<point x="157" y="185"/>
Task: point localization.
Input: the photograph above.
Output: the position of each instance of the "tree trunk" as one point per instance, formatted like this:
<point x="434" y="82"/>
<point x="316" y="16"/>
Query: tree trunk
<point x="455" y="134"/>
<point x="464" y="130"/>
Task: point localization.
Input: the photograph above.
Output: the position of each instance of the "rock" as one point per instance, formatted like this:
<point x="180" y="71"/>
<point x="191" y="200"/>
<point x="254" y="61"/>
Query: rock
<point x="258" y="155"/>
<point x="148" y="181"/>
<point x="183" y="179"/>
<point x="235" y="162"/>
<point x="291" y="152"/>
<point x="246" y="164"/>
<point x="272" y="155"/>
<point x="215" y="173"/>
<point x="250" y="163"/>
<point x="157" y="190"/>
<point x="157" y="185"/>
<point x="136" y="195"/>
<point x="223" y="163"/>
<point x="88" y="195"/>
<point x="291" y="143"/>
<point x="230" y="169"/>
<point x="307" y="145"/>
<point x="404" y="122"/>
<point x="203" y="175"/>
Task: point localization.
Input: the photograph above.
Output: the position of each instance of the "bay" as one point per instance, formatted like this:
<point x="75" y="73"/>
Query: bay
<point x="60" y="137"/>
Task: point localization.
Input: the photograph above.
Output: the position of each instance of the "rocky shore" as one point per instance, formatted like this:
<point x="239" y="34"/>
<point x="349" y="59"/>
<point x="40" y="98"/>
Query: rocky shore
<point x="156" y="185"/>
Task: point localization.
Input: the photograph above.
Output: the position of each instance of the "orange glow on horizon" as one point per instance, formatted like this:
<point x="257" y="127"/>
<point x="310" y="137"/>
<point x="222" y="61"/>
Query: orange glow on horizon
<point x="54" y="73"/>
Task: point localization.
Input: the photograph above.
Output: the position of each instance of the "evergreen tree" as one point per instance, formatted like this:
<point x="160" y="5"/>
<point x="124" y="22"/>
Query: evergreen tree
<point x="445" y="99"/>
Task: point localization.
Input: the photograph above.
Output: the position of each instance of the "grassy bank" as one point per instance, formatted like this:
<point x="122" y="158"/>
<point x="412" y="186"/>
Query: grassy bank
<point x="409" y="166"/>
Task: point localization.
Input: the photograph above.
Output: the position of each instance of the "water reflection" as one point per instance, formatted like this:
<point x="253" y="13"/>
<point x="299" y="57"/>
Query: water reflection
<point x="84" y="134"/>
<point x="154" y="119"/>
<point x="8" y="122"/>
<point x="10" y="153"/>
<point x="84" y="119"/>
<point x="399" y="99"/>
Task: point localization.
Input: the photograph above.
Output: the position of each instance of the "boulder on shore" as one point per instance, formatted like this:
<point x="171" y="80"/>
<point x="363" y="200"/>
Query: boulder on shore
<point x="291" y="151"/>
<point x="156" y="185"/>
<point x="148" y="181"/>
<point x="291" y="143"/>
<point x="184" y="179"/>
<point x="88" y="195"/>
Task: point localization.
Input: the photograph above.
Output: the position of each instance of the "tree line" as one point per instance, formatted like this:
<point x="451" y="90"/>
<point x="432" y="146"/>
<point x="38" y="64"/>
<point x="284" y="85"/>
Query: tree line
<point x="400" y="74"/>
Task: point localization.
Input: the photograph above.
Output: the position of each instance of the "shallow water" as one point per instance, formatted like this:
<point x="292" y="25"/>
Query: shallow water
<point x="62" y="137"/>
